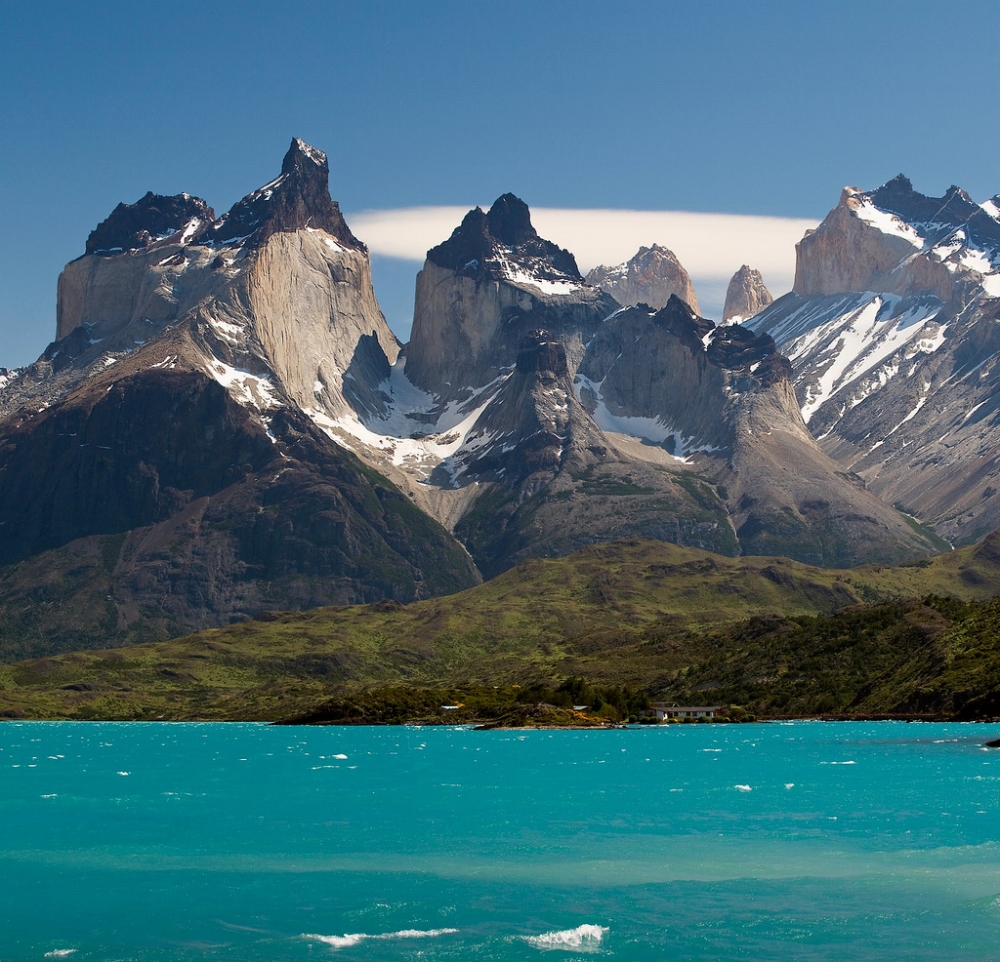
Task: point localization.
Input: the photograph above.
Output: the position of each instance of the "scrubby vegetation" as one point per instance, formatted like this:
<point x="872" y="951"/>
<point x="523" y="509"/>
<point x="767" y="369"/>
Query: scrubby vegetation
<point x="664" y="623"/>
<point x="574" y="703"/>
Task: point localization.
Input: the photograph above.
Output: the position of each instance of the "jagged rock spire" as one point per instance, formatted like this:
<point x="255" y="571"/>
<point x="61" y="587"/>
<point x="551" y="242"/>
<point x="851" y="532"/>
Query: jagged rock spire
<point x="298" y="198"/>
<point x="746" y="295"/>
<point x="490" y="243"/>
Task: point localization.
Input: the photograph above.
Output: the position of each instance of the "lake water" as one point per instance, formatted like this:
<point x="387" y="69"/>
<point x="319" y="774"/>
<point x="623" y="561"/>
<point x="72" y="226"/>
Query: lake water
<point x="235" y="842"/>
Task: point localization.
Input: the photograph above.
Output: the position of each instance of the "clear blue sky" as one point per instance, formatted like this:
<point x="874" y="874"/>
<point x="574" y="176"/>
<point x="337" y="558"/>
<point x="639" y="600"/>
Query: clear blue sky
<point x="764" y="107"/>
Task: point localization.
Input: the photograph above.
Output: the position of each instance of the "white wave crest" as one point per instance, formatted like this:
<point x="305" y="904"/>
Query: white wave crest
<point x="344" y="941"/>
<point x="59" y="953"/>
<point x="584" y="937"/>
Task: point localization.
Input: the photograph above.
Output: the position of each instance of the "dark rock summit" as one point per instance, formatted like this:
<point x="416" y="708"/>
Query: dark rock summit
<point x="742" y="351"/>
<point x="482" y="290"/>
<point x="954" y="209"/>
<point x="152" y="217"/>
<point x="299" y="198"/>
<point x="503" y="237"/>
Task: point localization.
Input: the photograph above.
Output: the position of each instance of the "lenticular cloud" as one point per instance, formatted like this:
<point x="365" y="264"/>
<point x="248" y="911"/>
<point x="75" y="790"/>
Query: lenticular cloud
<point x="710" y="246"/>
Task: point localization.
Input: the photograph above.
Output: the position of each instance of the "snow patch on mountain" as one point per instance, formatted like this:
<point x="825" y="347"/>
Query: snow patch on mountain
<point x="248" y="389"/>
<point x="6" y="377"/>
<point x="232" y="333"/>
<point x="542" y="284"/>
<point x="656" y="430"/>
<point x="544" y="277"/>
<point x="887" y="222"/>
<point x="853" y="344"/>
<point x="991" y="208"/>
<point x="416" y="432"/>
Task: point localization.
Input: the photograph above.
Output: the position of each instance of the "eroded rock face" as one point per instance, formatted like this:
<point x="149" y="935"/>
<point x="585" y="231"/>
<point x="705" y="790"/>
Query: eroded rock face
<point x="746" y="295"/>
<point x="483" y="289"/>
<point x="651" y="277"/>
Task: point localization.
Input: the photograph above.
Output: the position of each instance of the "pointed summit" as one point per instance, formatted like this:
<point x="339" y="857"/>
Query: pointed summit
<point x="487" y="286"/>
<point x="509" y="221"/>
<point x="302" y="156"/>
<point x="298" y="198"/>
<point x="746" y="295"/>
<point x="504" y="245"/>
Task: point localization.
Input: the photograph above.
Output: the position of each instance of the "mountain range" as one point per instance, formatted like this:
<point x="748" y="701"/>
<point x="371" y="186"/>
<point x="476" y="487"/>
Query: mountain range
<point x="225" y="424"/>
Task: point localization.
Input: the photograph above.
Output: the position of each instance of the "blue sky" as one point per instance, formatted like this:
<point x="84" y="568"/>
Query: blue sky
<point x="763" y="108"/>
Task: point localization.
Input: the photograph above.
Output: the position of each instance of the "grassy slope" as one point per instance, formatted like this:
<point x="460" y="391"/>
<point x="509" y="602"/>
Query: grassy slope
<point x="640" y="613"/>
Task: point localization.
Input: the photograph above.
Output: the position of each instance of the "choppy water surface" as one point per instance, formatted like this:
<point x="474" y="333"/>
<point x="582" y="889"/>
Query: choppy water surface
<point x="233" y="842"/>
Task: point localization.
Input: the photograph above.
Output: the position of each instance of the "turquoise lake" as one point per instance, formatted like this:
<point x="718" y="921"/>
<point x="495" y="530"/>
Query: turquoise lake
<point x="221" y="842"/>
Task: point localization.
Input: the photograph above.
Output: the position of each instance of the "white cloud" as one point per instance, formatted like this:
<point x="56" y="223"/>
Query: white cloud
<point x="407" y="232"/>
<point x="710" y="246"/>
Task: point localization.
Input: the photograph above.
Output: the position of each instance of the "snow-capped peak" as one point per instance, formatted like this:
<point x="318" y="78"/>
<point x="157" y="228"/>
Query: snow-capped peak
<point x="316" y="155"/>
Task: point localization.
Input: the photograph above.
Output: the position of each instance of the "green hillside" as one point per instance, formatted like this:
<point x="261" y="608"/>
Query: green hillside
<point x="672" y="622"/>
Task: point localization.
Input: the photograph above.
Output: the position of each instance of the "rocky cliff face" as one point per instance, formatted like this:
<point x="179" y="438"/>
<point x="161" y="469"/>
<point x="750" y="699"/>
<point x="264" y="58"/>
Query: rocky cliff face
<point x="483" y="289"/>
<point x="177" y="409"/>
<point x="746" y="295"/>
<point x="651" y="277"/>
<point x="891" y="331"/>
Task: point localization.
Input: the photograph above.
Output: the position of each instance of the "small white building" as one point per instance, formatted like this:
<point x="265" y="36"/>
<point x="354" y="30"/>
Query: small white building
<point x="663" y="710"/>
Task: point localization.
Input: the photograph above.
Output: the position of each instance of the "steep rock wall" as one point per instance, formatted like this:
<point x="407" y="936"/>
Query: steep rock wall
<point x="312" y="309"/>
